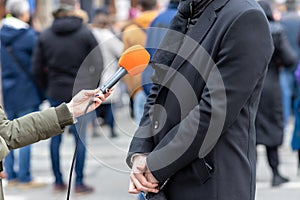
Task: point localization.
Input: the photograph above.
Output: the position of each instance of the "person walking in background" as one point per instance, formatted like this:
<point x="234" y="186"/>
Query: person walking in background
<point x="135" y="33"/>
<point x="291" y="23"/>
<point x="269" y="120"/>
<point x="111" y="48"/>
<point x="20" y="93"/>
<point x="295" y="142"/>
<point x="196" y="139"/>
<point x="155" y="34"/>
<point x="66" y="60"/>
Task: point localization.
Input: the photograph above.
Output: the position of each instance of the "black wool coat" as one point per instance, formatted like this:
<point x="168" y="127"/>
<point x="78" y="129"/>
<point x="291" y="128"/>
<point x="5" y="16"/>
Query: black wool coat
<point x="67" y="59"/>
<point x="269" y="120"/>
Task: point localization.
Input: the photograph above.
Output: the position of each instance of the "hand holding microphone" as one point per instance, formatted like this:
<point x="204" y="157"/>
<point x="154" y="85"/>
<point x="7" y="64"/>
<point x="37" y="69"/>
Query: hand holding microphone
<point x="133" y="61"/>
<point x="93" y="98"/>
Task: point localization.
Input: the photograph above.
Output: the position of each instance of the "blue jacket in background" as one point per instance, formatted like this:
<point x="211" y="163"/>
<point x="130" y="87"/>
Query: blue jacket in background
<point x="19" y="91"/>
<point x="155" y="33"/>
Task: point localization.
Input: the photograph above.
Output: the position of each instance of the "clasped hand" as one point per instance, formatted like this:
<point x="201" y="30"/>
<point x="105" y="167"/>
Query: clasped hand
<point x="141" y="179"/>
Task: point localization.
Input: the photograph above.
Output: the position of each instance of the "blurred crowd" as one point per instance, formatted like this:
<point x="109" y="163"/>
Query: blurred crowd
<point x="278" y="111"/>
<point x="52" y="49"/>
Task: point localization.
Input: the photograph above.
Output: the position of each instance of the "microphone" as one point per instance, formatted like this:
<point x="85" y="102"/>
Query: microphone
<point x="133" y="61"/>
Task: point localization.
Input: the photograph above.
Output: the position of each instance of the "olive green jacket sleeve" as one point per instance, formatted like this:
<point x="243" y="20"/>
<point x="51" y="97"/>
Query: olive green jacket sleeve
<point x="33" y="127"/>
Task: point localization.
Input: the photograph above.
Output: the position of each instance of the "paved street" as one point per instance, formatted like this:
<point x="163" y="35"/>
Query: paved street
<point x="107" y="172"/>
<point x="288" y="168"/>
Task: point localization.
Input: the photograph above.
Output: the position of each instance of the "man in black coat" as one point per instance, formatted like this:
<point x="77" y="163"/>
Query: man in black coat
<point x="196" y="139"/>
<point x="66" y="60"/>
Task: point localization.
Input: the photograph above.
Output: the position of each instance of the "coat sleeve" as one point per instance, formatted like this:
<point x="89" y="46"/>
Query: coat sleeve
<point x="241" y="61"/>
<point x="142" y="142"/>
<point x="284" y="51"/>
<point x="34" y="127"/>
<point x="39" y="66"/>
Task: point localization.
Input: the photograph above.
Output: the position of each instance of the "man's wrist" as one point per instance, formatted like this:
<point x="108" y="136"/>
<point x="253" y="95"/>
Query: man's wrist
<point x="134" y="156"/>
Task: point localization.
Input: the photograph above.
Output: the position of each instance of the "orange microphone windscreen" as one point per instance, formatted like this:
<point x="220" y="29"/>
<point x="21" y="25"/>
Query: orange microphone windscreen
<point x="135" y="59"/>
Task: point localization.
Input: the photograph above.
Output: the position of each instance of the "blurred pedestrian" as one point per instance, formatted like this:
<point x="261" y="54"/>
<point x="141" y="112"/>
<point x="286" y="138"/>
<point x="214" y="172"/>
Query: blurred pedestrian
<point x="291" y="23"/>
<point x="196" y="139"/>
<point x="20" y="93"/>
<point x="269" y="120"/>
<point x="155" y="34"/>
<point x="66" y="60"/>
<point x="135" y="33"/>
<point x="295" y="142"/>
<point x="111" y="48"/>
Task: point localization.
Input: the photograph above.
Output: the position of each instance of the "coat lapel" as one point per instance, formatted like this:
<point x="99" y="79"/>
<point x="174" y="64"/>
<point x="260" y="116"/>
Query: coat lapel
<point x="197" y="34"/>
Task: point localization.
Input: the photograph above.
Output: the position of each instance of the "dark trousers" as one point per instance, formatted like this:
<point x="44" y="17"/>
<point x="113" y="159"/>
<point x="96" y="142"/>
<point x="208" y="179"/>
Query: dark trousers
<point x="273" y="158"/>
<point x="105" y="111"/>
<point x="81" y="151"/>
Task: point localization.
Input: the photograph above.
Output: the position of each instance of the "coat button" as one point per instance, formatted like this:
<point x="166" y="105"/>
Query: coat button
<point x="156" y="125"/>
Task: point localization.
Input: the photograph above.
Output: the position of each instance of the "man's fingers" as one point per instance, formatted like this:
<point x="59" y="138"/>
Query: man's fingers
<point x="142" y="179"/>
<point x="149" y="176"/>
<point x="141" y="183"/>
<point x="138" y="179"/>
<point x="132" y="189"/>
<point x="137" y="185"/>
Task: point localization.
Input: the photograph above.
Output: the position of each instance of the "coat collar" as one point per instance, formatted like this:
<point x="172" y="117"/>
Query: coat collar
<point x="197" y="33"/>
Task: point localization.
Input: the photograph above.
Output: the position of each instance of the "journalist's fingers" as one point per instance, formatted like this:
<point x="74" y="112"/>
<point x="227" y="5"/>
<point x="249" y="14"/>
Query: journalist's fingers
<point x="2" y="175"/>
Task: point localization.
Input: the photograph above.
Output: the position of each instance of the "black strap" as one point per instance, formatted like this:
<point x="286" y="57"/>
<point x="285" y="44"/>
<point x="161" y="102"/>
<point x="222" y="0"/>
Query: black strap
<point x="22" y="67"/>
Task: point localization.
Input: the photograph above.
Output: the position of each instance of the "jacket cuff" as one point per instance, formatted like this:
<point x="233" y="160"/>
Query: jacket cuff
<point x="64" y="115"/>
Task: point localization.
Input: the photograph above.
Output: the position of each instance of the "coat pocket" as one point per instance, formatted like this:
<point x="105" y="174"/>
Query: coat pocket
<point x="202" y="170"/>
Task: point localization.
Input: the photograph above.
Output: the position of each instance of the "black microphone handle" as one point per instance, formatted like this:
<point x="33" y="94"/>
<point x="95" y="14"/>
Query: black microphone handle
<point x="113" y="80"/>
